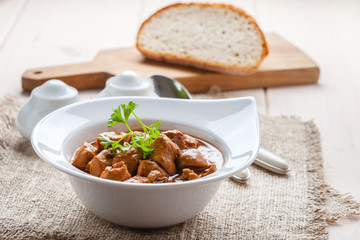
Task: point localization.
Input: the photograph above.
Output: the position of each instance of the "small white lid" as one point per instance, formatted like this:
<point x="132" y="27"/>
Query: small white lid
<point x="128" y="83"/>
<point x="54" y="90"/>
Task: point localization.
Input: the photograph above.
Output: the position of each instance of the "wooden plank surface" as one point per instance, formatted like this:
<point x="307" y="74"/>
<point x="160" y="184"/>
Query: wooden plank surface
<point x="333" y="103"/>
<point x="40" y="33"/>
<point x="285" y="65"/>
<point x="64" y="31"/>
<point x="9" y="13"/>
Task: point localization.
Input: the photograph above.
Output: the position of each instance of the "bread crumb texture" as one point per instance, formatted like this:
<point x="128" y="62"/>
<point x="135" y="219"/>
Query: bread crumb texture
<point x="218" y="35"/>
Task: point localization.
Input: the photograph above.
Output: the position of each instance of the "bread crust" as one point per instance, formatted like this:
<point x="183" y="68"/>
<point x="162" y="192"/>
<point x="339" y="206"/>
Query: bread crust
<point x="189" y="61"/>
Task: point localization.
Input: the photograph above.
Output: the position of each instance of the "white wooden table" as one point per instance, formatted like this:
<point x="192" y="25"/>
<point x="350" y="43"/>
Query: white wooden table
<point x="37" y="33"/>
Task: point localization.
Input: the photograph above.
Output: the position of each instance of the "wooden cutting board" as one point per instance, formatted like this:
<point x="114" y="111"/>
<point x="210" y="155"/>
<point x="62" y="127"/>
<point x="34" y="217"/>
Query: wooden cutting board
<point x="285" y="65"/>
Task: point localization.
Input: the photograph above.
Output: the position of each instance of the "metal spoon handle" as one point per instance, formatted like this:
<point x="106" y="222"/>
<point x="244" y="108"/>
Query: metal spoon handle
<point x="272" y="162"/>
<point x="242" y="176"/>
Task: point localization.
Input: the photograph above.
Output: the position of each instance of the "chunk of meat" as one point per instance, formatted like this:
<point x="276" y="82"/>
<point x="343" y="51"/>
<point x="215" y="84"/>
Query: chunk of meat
<point x="87" y="168"/>
<point x="165" y="152"/>
<point x="184" y="141"/>
<point x="97" y="166"/>
<point x="188" y="174"/>
<point x="117" y="172"/>
<point x="113" y="136"/>
<point x="192" y="158"/>
<point x="100" y="162"/>
<point x="155" y="176"/>
<point x="138" y="179"/>
<point x="211" y="170"/>
<point x="131" y="158"/>
<point x="146" y="166"/>
<point x="84" y="154"/>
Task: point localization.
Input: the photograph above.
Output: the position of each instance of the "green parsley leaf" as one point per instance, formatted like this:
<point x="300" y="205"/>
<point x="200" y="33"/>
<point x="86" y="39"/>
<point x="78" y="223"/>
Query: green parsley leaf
<point x="143" y="140"/>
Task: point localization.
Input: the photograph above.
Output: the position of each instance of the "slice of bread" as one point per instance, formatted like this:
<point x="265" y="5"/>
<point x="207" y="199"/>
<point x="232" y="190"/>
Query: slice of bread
<point x="215" y="37"/>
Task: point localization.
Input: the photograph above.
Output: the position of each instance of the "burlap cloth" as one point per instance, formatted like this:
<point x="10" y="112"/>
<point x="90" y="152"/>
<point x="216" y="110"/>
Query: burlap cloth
<point x="37" y="201"/>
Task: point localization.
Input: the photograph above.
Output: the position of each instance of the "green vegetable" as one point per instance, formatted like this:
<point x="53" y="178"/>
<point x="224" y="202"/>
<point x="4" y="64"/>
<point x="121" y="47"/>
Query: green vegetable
<point x="143" y="140"/>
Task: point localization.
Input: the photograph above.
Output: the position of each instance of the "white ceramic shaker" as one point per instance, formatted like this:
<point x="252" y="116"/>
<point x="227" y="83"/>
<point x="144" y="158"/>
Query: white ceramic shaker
<point x="44" y="99"/>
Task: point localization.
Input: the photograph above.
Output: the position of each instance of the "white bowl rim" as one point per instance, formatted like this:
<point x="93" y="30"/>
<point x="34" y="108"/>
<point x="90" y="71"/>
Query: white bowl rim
<point x="204" y="180"/>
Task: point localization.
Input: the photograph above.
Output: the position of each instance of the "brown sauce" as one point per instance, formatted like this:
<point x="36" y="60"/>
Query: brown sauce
<point x="176" y="157"/>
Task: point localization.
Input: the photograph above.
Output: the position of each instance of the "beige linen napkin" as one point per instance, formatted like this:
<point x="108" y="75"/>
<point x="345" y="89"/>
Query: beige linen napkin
<point x="37" y="202"/>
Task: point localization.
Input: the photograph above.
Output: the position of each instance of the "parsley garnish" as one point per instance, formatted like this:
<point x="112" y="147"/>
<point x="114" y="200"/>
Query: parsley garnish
<point x="143" y="140"/>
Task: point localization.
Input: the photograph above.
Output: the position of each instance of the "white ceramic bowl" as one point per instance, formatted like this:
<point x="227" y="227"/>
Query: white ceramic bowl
<point x="230" y="124"/>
